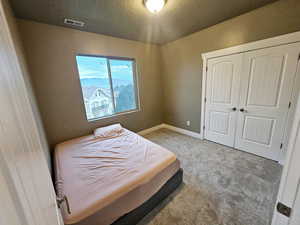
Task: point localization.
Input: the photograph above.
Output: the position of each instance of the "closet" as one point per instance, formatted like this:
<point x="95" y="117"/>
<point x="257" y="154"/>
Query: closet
<point x="248" y="96"/>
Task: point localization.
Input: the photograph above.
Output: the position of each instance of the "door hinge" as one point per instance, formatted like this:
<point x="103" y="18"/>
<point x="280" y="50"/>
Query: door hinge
<point x="283" y="209"/>
<point x="299" y="57"/>
<point x="205" y="99"/>
<point x="290" y="104"/>
<point x="203" y="127"/>
<point x="206" y="68"/>
<point x="281" y="145"/>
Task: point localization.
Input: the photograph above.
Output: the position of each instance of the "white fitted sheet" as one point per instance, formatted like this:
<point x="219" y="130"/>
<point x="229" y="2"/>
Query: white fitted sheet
<point x="95" y="172"/>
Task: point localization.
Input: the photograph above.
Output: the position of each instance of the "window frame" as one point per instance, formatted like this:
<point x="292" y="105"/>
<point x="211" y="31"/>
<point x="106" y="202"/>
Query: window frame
<point x="135" y="82"/>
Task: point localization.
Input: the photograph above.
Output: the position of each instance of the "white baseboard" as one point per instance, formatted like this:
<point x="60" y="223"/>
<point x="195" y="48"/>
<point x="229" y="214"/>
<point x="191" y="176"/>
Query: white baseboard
<point x="170" y="127"/>
<point x="151" y="129"/>
<point x="182" y="131"/>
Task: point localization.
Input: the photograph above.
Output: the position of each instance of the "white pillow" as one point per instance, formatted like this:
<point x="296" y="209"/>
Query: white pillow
<point x="109" y="131"/>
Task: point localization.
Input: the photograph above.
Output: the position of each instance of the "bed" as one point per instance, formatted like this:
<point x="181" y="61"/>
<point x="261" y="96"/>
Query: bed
<point x="115" y="180"/>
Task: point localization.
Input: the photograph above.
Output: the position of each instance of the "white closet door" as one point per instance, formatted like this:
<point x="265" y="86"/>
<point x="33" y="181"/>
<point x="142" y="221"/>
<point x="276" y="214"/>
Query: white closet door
<point x="266" y="85"/>
<point x="223" y="78"/>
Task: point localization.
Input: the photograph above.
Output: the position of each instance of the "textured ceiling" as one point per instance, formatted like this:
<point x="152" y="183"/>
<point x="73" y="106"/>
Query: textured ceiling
<point x="129" y="19"/>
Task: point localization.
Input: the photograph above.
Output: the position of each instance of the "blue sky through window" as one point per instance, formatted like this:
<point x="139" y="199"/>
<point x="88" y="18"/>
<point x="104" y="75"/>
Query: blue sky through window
<point x="121" y="69"/>
<point x="96" y="68"/>
<point x="92" y="67"/>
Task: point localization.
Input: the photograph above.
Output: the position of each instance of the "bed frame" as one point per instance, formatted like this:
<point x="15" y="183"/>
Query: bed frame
<point x="133" y="217"/>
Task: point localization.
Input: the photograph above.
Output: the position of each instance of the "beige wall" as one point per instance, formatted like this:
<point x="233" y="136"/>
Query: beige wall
<point x="182" y="64"/>
<point x="51" y="54"/>
<point x="51" y="51"/>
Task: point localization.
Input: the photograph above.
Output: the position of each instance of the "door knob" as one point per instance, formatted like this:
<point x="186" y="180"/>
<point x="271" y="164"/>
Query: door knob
<point x="234" y="109"/>
<point x="242" y="110"/>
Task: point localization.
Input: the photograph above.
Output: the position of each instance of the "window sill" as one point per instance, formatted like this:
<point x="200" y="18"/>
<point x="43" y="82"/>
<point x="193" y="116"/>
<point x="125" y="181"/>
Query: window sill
<point x="114" y="115"/>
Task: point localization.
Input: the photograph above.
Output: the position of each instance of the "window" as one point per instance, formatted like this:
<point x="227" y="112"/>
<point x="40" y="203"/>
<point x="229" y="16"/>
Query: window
<point x="108" y="85"/>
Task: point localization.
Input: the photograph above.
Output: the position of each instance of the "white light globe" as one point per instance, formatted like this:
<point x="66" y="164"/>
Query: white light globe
<point x="154" y="6"/>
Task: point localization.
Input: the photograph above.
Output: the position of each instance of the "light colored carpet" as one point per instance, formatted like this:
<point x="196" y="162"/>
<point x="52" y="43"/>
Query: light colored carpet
<point x="222" y="186"/>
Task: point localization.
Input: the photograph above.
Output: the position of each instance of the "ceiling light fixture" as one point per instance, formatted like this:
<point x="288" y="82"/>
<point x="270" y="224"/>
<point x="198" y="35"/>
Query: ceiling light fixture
<point x="154" y="6"/>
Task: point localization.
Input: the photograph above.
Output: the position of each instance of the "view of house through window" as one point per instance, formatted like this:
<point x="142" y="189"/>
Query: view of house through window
<point x="108" y="85"/>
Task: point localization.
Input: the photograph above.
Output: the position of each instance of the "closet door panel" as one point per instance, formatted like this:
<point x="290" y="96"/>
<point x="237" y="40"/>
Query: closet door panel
<point x="221" y="98"/>
<point x="265" y="79"/>
<point x="266" y="86"/>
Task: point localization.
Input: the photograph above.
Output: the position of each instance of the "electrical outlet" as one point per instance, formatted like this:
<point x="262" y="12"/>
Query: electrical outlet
<point x="188" y="123"/>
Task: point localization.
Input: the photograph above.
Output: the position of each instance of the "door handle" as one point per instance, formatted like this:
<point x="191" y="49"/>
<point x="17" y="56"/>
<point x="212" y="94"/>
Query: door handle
<point x="243" y="110"/>
<point x="234" y="109"/>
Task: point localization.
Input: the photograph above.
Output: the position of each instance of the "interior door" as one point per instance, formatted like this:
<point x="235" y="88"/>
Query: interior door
<point x="295" y="217"/>
<point x="289" y="190"/>
<point x="222" y="96"/>
<point x="266" y="85"/>
<point x="27" y="194"/>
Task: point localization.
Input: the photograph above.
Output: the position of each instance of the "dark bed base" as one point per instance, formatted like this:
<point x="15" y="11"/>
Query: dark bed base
<point x="133" y="217"/>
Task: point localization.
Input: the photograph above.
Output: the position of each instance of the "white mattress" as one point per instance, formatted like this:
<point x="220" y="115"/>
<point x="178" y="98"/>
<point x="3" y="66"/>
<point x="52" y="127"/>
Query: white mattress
<point x="94" y="173"/>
